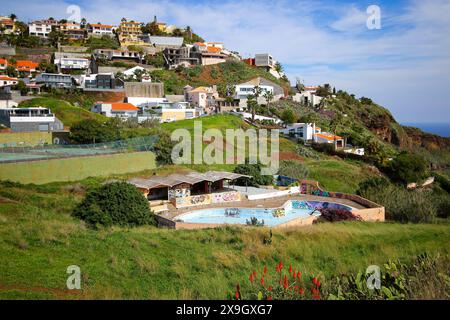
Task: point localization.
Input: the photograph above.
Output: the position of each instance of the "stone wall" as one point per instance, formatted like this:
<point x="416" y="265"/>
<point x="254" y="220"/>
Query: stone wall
<point x="144" y="89"/>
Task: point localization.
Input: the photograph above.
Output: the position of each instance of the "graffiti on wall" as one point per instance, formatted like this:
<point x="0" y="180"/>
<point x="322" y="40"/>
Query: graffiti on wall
<point x="226" y="197"/>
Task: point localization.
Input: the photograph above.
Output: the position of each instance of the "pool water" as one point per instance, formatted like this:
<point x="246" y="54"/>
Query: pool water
<point x="292" y="210"/>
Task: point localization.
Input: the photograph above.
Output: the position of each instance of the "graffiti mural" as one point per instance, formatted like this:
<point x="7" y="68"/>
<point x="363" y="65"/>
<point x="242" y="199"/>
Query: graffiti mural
<point x="226" y="197"/>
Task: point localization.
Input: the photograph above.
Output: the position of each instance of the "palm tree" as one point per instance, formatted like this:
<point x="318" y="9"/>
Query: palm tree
<point x="268" y="95"/>
<point x="12" y="16"/>
<point x="278" y="67"/>
<point x="252" y="105"/>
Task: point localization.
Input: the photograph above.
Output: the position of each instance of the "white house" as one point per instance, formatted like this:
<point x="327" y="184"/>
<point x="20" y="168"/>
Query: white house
<point x="30" y="119"/>
<point x="132" y="73"/>
<point x="6" y="81"/>
<point x="119" y="109"/>
<point x="99" y="30"/>
<point x="72" y="63"/>
<point x="308" y="97"/>
<point x="304" y="131"/>
<point x="243" y="90"/>
<point x="39" y="29"/>
<point x="202" y="97"/>
<point x="354" y="150"/>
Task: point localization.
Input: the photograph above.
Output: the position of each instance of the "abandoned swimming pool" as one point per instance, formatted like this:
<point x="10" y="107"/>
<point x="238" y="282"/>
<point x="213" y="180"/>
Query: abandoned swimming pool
<point x="271" y="217"/>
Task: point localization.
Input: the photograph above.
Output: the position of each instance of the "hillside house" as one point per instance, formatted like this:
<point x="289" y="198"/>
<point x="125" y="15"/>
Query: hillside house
<point x="119" y="110"/>
<point x="243" y="90"/>
<point x="30" y="119"/>
<point x="100" y="30"/>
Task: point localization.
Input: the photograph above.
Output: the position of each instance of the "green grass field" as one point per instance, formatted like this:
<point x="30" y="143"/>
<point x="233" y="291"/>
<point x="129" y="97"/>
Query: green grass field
<point x="39" y="240"/>
<point x="64" y="111"/>
<point x="78" y="168"/>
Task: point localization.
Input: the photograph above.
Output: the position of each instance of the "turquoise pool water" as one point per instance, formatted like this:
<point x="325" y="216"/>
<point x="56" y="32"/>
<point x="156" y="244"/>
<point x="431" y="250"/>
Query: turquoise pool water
<point x="292" y="210"/>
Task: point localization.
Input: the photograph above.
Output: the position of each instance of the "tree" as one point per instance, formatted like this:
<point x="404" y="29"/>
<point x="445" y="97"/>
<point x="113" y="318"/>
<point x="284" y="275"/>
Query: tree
<point x="93" y="131"/>
<point x="252" y="105"/>
<point x="12" y="16"/>
<point x="254" y="171"/>
<point x="288" y="116"/>
<point x="407" y="168"/>
<point x="163" y="148"/>
<point x="278" y="67"/>
<point x="269" y="96"/>
<point x="117" y="203"/>
<point x="11" y="71"/>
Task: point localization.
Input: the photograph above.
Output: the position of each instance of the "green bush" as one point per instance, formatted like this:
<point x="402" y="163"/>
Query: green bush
<point x="253" y="170"/>
<point x="117" y="203"/>
<point x="407" y="168"/>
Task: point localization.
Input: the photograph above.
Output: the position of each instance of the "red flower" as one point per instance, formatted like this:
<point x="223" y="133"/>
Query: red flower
<point x="251" y="278"/>
<point x="290" y="268"/>
<point x="265" y="269"/>
<point x="280" y="266"/>
<point x="316" y="297"/>
<point x="301" y="291"/>
<point x="237" y="295"/>
<point x="269" y="298"/>
<point x="285" y="283"/>
<point x="299" y="275"/>
<point x="316" y="282"/>
<point x="314" y="291"/>
<point x="254" y="274"/>
<point x="270" y="288"/>
<point x="262" y="281"/>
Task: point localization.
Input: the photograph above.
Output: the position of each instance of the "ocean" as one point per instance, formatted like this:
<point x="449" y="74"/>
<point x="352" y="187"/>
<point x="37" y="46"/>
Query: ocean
<point x="441" y="129"/>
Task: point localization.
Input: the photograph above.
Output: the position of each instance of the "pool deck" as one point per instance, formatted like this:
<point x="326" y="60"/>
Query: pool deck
<point x="266" y="203"/>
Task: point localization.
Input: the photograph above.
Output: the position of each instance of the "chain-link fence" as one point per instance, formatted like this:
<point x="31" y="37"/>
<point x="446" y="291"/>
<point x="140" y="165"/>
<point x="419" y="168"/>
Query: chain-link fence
<point x="14" y="153"/>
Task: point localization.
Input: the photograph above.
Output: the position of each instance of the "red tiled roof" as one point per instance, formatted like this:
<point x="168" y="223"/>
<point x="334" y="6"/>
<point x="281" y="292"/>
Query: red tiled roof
<point x="121" y="106"/>
<point x="99" y="25"/>
<point x="5" y="78"/>
<point x="329" y="137"/>
<point x="214" y="50"/>
<point x="3" y="61"/>
<point x="25" y="65"/>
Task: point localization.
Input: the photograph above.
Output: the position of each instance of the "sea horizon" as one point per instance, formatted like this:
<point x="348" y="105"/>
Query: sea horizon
<point x="441" y="129"/>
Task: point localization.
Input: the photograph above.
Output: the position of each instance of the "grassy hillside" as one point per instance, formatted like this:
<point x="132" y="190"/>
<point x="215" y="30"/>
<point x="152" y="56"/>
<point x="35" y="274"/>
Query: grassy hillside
<point x="39" y="240"/>
<point x="229" y="73"/>
<point x="64" y="111"/>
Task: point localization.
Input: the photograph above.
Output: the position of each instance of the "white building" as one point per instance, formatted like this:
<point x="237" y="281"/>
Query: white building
<point x="308" y="97"/>
<point x="120" y="110"/>
<point x="304" y="131"/>
<point x="30" y="119"/>
<point x="99" y="30"/>
<point x="354" y="150"/>
<point x="168" y="112"/>
<point x="72" y="63"/>
<point x="243" y="90"/>
<point x="202" y="97"/>
<point x="39" y="29"/>
<point x="6" y="81"/>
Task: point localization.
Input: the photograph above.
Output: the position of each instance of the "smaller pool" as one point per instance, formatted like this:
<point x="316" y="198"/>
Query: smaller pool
<point x="272" y="217"/>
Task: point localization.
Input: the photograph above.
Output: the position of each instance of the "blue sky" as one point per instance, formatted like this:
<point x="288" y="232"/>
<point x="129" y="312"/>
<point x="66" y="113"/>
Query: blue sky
<point x="404" y="66"/>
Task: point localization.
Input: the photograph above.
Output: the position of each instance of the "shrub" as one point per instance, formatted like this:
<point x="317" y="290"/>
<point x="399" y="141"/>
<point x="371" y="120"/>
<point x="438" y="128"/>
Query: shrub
<point x="117" y="203"/>
<point x="253" y="170"/>
<point x="407" y="167"/>
<point x="92" y="131"/>
<point x="336" y="215"/>
<point x="293" y="169"/>
<point x="401" y="205"/>
<point x="163" y="148"/>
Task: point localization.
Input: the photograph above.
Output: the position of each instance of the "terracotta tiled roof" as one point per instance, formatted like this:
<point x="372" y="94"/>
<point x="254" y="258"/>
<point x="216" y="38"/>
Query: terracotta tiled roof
<point x="3" y="61"/>
<point x="121" y="106"/>
<point x="214" y="50"/>
<point x="25" y="65"/>
<point x="99" y="25"/>
<point x="329" y="137"/>
<point x="5" y="78"/>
